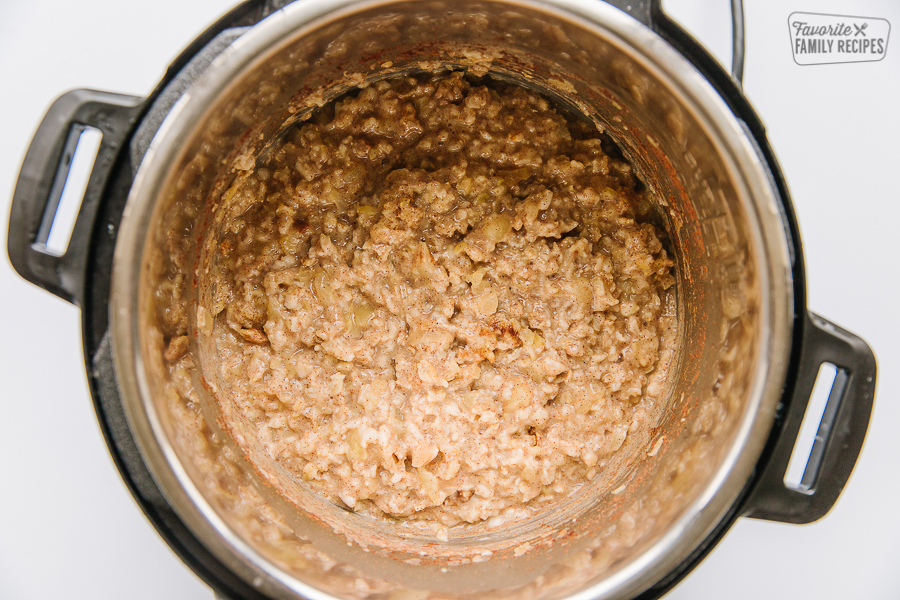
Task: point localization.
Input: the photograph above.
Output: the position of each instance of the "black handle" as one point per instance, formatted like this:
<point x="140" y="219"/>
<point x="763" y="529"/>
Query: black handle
<point x="841" y="431"/>
<point x="42" y="179"/>
<point x="650" y="13"/>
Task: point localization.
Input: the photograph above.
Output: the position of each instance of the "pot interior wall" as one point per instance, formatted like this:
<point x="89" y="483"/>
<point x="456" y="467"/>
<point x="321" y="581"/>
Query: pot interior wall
<point x="606" y="530"/>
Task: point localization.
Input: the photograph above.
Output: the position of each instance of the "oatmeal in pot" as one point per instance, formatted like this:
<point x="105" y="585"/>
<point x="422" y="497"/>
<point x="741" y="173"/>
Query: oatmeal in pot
<point x="439" y="300"/>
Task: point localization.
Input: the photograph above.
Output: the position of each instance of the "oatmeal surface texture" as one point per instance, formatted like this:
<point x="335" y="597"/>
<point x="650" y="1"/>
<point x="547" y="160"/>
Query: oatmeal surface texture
<point x="440" y="300"/>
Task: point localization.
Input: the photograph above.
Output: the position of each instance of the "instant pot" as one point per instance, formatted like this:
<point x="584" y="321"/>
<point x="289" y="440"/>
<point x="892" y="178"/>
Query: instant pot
<point x="750" y="350"/>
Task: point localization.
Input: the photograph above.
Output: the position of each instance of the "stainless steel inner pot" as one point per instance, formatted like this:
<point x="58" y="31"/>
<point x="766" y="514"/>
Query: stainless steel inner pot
<point x="647" y="514"/>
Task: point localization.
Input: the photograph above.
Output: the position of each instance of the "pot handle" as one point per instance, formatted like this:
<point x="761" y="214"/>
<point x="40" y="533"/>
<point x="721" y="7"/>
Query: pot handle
<point x="42" y="180"/>
<point x="840" y="434"/>
<point x="650" y="13"/>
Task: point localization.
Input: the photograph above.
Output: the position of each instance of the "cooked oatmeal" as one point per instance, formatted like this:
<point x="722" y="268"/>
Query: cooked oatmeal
<point x="439" y="300"/>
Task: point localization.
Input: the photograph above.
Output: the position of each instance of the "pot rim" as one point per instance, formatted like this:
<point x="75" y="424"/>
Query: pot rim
<point x="754" y="188"/>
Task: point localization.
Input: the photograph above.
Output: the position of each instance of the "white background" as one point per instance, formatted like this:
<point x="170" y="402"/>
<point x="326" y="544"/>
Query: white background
<point x="68" y="527"/>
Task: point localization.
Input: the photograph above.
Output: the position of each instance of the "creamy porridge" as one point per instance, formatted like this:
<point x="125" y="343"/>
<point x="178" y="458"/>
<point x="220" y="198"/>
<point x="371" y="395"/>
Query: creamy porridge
<point x="439" y="300"/>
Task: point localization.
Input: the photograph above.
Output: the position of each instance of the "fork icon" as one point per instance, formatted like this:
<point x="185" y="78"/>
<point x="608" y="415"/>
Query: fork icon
<point x="860" y="29"/>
